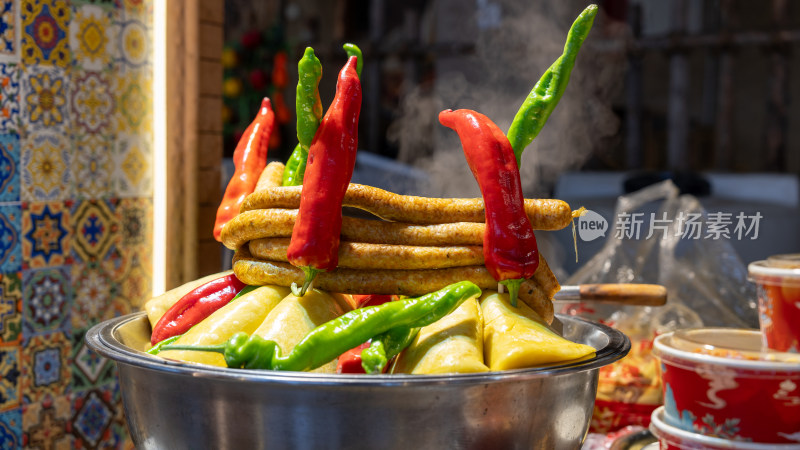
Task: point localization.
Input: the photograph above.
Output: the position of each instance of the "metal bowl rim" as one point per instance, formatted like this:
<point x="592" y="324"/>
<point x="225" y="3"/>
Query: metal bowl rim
<point x="100" y="338"/>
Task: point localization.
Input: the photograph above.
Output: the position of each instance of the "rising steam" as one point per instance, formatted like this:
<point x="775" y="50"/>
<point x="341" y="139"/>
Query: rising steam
<point x="509" y="58"/>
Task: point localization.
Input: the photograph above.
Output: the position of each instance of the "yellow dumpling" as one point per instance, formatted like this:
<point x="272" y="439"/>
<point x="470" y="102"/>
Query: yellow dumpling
<point x="245" y="314"/>
<point x="453" y="344"/>
<point x="290" y="321"/>
<point x="516" y="338"/>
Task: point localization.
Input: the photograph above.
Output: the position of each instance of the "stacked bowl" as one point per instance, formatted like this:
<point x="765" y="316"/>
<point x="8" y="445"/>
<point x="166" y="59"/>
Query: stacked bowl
<point x="718" y="383"/>
<point x="727" y="388"/>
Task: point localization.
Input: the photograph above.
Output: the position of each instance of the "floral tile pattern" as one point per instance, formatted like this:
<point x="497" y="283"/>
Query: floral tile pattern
<point x="133" y="45"/>
<point x="10" y="307"/>
<point x="133" y="106"/>
<point x="9" y="30"/>
<point x="46" y="235"/>
<point x="96" y="228"/>
<point x="44" y="96"/>
<point x="47" y="298"/>
<point x="92" y="166"/>
<point x="45" y="423"/>
<point x="94" y="288"/>
<point x="45" y="167"/>
<point x="9" y="96"/>
<point x="11" y="428"/>
<point x="132" y="171"/>
<point x="92" y="102"/>
<point x="91" y="37"/>
<point x="10" y="238"/>
<point x="75" y="211"/>
<point x="44" y="32"/>
<point x="9" y="167"/>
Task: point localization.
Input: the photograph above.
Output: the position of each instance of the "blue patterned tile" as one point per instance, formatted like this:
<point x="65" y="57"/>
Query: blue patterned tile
<point x="10" y="238"/>
<point x="9" y="377"/>
<point x="93" y="415"/>
<point x="46" y="300"/>
<point x="44" y="33"/>
<point x="96" y="229"/>
<point x="46" y="235"/>
<point x="11" y="429"/>
<point x="45" y="367"/>
<point x="9" y="30"/>
<point x="9" y="97"/>
<point x="9" y="168"/>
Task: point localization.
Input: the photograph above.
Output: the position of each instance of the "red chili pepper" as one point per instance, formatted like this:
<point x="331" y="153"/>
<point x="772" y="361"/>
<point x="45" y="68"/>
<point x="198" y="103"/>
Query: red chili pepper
<point x="509" y="246"/>
<point x="282" y="113"/>
<point x="364" y="300"/>
<point x="280" y="76"/>
<point x="195" y="306"/>
<point x="331" y="158"/>
<point x="249" y="160"/>
<point x="350" y="361"/>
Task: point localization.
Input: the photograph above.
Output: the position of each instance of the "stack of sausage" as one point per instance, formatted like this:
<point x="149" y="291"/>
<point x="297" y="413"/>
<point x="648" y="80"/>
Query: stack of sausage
<point x="415" y="246"/>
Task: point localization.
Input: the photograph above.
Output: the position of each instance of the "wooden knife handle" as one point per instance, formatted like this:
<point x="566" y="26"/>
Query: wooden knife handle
<point x="626" y="294"/>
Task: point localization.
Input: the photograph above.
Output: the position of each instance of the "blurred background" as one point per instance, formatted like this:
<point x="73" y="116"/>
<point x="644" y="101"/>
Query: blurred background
<point x="118" y="119"/>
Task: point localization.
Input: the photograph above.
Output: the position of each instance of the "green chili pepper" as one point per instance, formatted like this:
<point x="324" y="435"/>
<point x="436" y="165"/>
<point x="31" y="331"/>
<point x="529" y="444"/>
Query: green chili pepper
<point x="333" y="338"/>
<point x="353" y="50"/>
<point x="309" y="115"/>
<point x="545" y="95"/>
<point x="295" y="167"/>
<point x="386" y="346"/>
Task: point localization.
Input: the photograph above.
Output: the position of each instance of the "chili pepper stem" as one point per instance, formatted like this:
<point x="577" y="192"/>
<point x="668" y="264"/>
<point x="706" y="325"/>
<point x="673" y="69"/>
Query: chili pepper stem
<point x="196" y="348"/>
<point x="513" y="289"/>
<point x="311" y="273"/>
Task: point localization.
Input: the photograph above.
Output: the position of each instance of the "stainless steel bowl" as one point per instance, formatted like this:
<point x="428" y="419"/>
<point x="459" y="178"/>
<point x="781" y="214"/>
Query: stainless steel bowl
<point x="172" y="405"/>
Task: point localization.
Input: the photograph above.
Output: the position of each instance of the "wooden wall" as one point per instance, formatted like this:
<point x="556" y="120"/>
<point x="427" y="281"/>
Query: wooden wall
<point x="194" y="90"/>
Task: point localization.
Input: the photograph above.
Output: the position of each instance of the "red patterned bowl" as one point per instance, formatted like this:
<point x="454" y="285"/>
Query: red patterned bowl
<point x="670" y="438"/>
<point x="718" y="383"/>
<point x="778" y="282"/>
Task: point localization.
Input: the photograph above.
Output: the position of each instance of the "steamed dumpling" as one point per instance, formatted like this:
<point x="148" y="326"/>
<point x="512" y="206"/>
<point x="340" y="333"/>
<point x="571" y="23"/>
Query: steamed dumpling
<point x="516" y="338"/>
<point x="290" y="321"/>
<point x="453" y="344"/>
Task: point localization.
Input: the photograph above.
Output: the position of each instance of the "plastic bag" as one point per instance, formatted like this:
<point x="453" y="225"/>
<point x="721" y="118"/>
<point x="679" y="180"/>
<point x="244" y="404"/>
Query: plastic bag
<point x="705" y="280"/>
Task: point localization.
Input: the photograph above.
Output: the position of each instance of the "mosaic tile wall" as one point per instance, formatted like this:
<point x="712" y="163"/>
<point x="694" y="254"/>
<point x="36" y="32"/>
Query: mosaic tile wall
<point x="75" y="211"/>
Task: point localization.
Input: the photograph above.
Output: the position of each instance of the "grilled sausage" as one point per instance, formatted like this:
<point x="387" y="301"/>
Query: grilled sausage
<point x="544" y="214"/>
<point x="358" y="255"/>
<point x="271" y="176"/>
